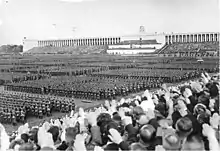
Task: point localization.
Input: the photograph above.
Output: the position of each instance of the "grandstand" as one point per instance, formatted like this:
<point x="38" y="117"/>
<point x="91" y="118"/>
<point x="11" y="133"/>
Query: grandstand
<point x="210" y="46"/>
<point x="142" y="43"/>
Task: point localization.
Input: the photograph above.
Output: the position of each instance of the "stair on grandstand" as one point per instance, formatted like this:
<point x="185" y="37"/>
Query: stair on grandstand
<point x="162" y="49"/>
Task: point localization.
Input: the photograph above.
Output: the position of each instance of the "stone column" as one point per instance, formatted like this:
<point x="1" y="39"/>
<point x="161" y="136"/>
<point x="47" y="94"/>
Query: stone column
<point x="191" y="38"/>
<point x="99" y="41"/>
<point x="166" y="39"/>
<point x="203" y="38"/>
<point x="211" y="37"/>
<point x="90" y="41"/>
<point x="102" y="41"/>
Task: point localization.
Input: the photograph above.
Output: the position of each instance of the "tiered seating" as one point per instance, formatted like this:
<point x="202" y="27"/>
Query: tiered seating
<point x="67" y="50"/>
<point x="138" y="42"/>
<point x="191" y="47"/>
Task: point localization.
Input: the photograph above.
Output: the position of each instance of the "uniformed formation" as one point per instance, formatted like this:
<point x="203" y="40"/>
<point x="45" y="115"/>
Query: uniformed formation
<point x="39" y="96"/>
<point x="103" y="85"/>
<point x="16" y="106"/>
<point x="15" y="77"/>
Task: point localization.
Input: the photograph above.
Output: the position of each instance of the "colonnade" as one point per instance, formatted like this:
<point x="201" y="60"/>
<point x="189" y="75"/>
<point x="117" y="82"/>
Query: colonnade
<point x="80" y="42"/>
<point x="181" y="38"/>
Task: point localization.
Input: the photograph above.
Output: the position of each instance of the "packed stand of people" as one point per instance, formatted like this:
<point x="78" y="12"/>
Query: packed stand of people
<point x="15" y="107"/>
<point x="67" y="49"/>
<point x="182" y="117"/>
<point x="191" y="47"/>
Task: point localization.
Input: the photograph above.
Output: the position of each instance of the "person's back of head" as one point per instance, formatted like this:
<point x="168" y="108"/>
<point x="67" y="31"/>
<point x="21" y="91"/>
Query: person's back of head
<point x="193" y="143"/>
<point x="204" y="99"/>
<point x="203" y="118"/>
<point x="184" y="126"/>
<point x="26" y="147"/>
<point x="142" y="119"/>
<point x="112" y="147"/>
<point x="54" y="130"/>
<point x="147" y="133"/>
<point x="137" y="147"/>
<point x="25" y="137"/>
<point x="33" y="135"/>
<point x="103" y="118"/>
<point x="170" y="140"/>
<point x="70" y="134"/>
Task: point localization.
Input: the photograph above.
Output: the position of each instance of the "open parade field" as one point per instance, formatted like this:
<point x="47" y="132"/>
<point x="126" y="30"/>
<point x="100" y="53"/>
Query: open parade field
<point x="81" y="68"/>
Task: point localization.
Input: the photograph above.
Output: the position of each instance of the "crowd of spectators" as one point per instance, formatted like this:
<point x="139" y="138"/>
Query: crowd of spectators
<point x="191" y="47"/>
<point x="182" y="117"/>
<point x="67" y="50"/>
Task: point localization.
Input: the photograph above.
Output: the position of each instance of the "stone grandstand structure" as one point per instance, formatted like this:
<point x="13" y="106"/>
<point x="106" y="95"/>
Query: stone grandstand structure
<point x="191" y="45"/>
<point x="141" y="43"/>
<point x="192" y="37"/>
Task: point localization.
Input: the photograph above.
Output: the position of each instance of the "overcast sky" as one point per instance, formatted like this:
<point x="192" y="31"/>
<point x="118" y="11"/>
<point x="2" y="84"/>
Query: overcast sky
<point x="44" y="19"/>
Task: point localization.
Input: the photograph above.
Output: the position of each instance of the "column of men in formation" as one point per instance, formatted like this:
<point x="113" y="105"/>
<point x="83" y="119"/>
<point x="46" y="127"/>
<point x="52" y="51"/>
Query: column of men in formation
<point x="16" y="107"/>
<point x="85" y="71"/>
<point x="29" y="77"/>
<point x="101" y="93"/>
